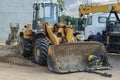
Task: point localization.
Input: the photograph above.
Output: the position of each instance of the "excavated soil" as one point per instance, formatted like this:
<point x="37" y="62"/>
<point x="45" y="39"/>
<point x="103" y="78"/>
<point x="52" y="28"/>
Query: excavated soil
<point x="15" y="67"/>
<point x="9" y="54"/>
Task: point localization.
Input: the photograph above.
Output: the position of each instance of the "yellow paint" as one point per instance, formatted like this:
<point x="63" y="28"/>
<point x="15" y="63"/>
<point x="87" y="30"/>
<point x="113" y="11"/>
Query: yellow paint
<point x="69" y="33"/>
<point x="53" y="38"/>
<point x="90" y="57"/>
<point x="27" y="32"/>
<point x="53" y="35"/>
<point x="85" y="10"/>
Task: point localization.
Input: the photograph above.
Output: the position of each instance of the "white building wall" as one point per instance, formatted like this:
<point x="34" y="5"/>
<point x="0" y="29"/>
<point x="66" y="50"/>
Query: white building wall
<point x="14" y="11"/>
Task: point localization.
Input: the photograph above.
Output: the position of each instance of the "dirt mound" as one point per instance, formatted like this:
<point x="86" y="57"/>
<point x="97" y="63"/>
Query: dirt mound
<point x="5" y="50"/>
<point x="16" y="59"/>
<point x="9" y="54"/>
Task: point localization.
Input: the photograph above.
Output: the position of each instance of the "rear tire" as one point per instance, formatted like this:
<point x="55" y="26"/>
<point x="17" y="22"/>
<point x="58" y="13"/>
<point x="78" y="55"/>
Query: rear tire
<point x="24" y="47"/>
<point x="40" y="52"/>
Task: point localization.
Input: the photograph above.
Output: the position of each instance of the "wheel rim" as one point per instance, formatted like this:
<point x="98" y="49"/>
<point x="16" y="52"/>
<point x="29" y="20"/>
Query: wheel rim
<point x="37" y="53"/>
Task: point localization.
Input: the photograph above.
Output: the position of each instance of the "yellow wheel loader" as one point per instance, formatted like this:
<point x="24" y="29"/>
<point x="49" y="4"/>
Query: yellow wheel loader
<point x="53" y="44"/>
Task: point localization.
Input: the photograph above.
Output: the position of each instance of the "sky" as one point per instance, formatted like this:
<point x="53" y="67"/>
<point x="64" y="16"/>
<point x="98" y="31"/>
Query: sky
<point x="72" y="6"/>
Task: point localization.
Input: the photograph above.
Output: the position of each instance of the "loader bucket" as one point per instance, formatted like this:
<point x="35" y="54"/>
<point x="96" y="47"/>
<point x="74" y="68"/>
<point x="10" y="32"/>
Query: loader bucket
<point x="72" y="57"/>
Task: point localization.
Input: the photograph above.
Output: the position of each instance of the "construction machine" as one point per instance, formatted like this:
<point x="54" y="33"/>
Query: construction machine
<point x="53" y="44"/>
<point x="13" y="35"/>
<point x="110" y="34"/>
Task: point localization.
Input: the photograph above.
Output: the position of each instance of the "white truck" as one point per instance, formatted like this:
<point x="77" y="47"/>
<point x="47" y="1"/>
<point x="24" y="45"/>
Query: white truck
<point x="96" y="23"/>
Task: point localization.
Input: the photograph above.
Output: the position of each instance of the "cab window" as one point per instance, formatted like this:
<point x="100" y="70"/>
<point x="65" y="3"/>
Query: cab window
<point x="102" y="19"/>
<point x="89" y="20"/>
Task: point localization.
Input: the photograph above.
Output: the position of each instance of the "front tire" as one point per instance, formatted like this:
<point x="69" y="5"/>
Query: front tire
<point x="40" y="52"/>
<point x="24" y="47"/>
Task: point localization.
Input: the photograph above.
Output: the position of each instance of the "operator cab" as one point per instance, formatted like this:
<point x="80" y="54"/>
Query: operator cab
<point x="45" y="12"/>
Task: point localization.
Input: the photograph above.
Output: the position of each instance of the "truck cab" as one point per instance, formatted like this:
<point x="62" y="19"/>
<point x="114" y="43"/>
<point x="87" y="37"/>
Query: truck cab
<point x="95" y="23"/>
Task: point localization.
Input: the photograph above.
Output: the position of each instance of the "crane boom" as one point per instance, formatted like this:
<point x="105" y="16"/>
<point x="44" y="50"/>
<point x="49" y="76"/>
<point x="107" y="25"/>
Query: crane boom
<point x="86" y="9"/>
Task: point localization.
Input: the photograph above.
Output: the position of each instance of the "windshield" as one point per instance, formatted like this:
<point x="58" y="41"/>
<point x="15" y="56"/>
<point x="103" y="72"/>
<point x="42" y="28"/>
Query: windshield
<point x="50" y="11"/>
<point x="104" y="19"/>
<point x="47" y="11"/>
<point x="41" y="12"/>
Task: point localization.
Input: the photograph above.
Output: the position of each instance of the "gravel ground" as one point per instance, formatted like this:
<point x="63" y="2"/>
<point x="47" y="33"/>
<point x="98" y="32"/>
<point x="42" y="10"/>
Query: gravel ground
<point x="15" y="67"/>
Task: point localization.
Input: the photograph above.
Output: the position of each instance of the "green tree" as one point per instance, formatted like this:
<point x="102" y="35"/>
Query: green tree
<point x="61" y="4"/>
<point x="77" y="22"/>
